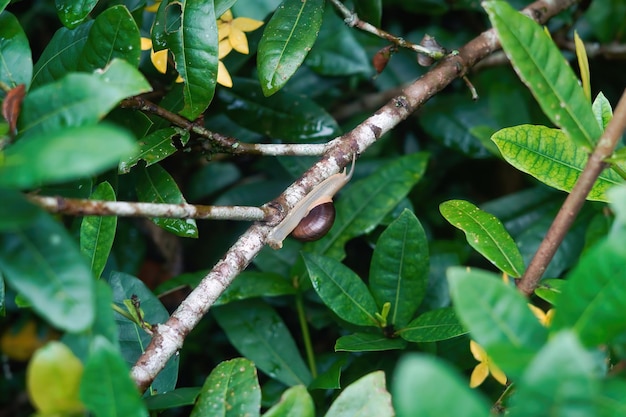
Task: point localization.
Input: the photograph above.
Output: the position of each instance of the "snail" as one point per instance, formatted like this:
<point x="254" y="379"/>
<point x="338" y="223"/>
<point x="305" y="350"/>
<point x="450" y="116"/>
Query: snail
<point x="313" y="216"/>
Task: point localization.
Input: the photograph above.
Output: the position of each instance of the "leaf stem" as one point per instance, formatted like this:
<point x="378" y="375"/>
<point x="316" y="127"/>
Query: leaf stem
<point x="575" y="200"/>
<point x="306" y="336"/>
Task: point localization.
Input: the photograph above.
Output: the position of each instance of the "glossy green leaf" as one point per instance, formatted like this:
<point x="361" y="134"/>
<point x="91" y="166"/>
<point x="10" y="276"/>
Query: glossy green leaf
<point x="64" y="155"/>
<point x="155" y="147"/>
<point x="368" y="342"/>
<point x="251" y="284"/>
<point x="42" y="263"/>
<point x="594" y="300"/>
<point x="433" y="326"/>
<point x="97" y="232"/>
<point x="258" y="333"/>
<point x="232" y="389"/>
<point x="286" y="41"/>
<point x="79" y="99"/>
<point x="52" y="379"/>
<point x="16" y="62"/>
<point x="155" y="185"/>
<point x="179" y="397"/>
<point x="222" y="5"/>
<point x="604" y="18"/>
<point x="61" y="54"/>
<point x="284" y="115"/>
<point x="113" y="35"/>
<point x="364" y="204"/>
<point x="399" y="270"/>
<point x="106" y="387"/>
<point x="295" y="401"/>
<point x="602" y="110"/>
<point x="210" y="179"/>
<point x="194" y="45"/>
<point x="133" y="339"/>
<point x="540" y="64"/>
<point x="16" y="211"/>
<point x="548" y="155"/>
<point x="416" y="390"/>
<point x="72" y="12"/>
<point x="103" y="324"/>
<point x="497" y="317"/>
<point x="342" y="290"/>
<point x="367" y="396"/>
<point x="612" y="401"/>
<point x="486" y="234"/>
<point x="551" y="289"/>
<point x="330" y="377"/>
<point x="560" y="381"/>
<point x="336" y="51"/>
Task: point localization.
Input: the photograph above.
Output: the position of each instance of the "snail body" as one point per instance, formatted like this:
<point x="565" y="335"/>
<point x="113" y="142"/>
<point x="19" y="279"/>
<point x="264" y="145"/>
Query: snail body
<point x="313" y="216"/>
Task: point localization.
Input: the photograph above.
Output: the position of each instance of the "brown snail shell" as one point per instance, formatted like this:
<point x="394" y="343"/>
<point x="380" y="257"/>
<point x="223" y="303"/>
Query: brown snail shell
<point x="316" y="224"/>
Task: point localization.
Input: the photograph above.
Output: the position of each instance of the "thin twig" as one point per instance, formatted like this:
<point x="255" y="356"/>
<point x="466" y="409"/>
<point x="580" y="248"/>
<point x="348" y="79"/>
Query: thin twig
<point x="217" y="143"/>
<point x="169" y="336"/>
<point x="575" y="200"/>
<point x="352" y="19"/>
<point x="81" y="207"/>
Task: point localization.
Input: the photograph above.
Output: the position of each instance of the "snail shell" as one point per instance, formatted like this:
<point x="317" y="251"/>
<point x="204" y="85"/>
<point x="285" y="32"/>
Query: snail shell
<point x="315" y="224"/>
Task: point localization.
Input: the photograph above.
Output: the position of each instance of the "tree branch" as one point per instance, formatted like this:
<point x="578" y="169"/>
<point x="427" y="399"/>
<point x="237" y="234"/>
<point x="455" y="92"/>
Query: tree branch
<point x="81" y="207"/>
<point x="169" y="336"/>
<point x="575" y="200"/>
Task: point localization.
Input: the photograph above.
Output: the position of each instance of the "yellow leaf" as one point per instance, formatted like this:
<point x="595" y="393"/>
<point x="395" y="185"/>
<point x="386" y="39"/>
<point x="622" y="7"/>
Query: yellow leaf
<point x="146" y="43"/>
<point x="583" y="64"/>
<point x="53" y="379"/>
<point x="223" y="77"/>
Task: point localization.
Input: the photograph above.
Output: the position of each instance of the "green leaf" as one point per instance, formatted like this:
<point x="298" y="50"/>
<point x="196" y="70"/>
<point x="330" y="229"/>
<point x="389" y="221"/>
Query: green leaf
<point x="560" y="381"/>
<point x="416" y="390"/>
<point x="106" y="387"/>
<point x="64" y="155"/>
<point x="53" y="378"/>
<point x="367" y="396"/>
<point x="194" y="45"/>
<point x="336" y="51"/>
<point x="16" y="211"/>
<point x="364" y="204"/>
<point x="155" y="147"/>
<point x="548" y="155"/>
<point x="250" y="284"/>
<point x="330" y="376"/>
<point x="16" y="62"/>
<point x="210" y="179"/>
<point x="497" y="317"/>
<point x="72" y="12"/>
<point x="258" y="333"/>
<point x="368" y="342"/>
<point x="284" y="115"/>
<point x="399" y="270"/>
<point x="232" y="389"/>
<point x="540" y="64"/>
<point x="604" y="18"/>
<point x="133" y="339"/>
<point x="433" y="326"/>
<point x="551" y="289"/>
<point x="341" y="290"/>
<point x="61" y="54"/>
<point x="295" y="401"/>
<point x="594" y="300"/>
<point x="97" y="232"/>
<point x="370" y="11"/>
<point x="42" y="263"/>
<point x="155" y="185"/>
<point x="486" y="234"/>
<point x="602" y="110"/>
<point x="286" y="40"/>
<point x="79" y="99"/>
<point x="114" y="35"/>
<point x="179" y="397"/>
